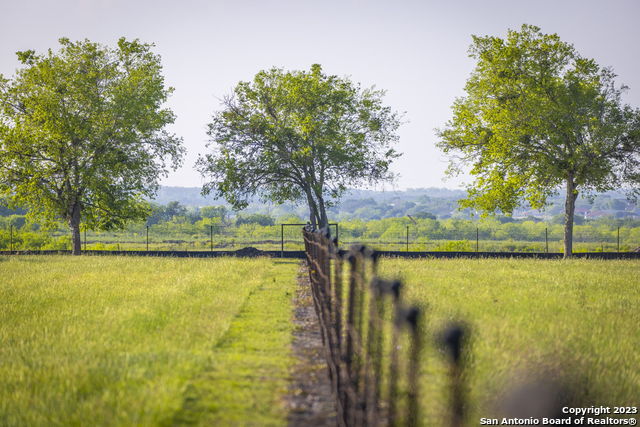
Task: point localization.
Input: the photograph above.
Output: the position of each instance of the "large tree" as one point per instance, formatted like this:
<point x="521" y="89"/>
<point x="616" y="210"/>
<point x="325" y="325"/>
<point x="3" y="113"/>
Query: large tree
<point x="537" y="117"/>
<point x="298" y="136"/>
<point x="82" y="133"/>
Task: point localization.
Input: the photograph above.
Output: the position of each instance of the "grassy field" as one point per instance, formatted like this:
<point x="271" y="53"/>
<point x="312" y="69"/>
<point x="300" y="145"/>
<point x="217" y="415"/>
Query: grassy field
<point x="160" y="341"/>
<point x="143" y="341"/>
<point x="575" y="321"/>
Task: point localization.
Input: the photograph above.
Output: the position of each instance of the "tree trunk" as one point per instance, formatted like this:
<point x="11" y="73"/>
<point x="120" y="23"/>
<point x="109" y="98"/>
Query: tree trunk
<point x="313" y="209"/>
<point x="312" y="219"/>
<point x="569" y="211"/>
<point x="323" y="220"/>
<point x="74" y="224"/>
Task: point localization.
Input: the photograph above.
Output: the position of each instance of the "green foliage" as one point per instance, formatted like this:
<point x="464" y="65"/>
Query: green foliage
<point x="424" y="215"/>
<point x="192" y="231"/>
<point x="82" y="133"/>
<point x="298" y="136"/>
<point x="165" y="213"/>
<point x="214" y="212"/>
<point x="455" y="246"/>
<point x="536" y="116"/>
<point x="260" y="219"/>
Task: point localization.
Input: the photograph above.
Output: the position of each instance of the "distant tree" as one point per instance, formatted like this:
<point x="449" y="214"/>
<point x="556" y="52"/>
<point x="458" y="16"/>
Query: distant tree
<point x="82" y="134"/>
<point x="298" y="136"/>
<point x="618" y="204"/>
<point x="6" y="211"/>
<point x="214" y="212"/>
<point x="169" y="212"/>
<point x="260" y="219"/>
<point x="351" y="205"/>
<point x="174" y="209"/>
<point x="193" y="215"/>
<point x="424" y="215"/>
<point x="538" y="116"/>
<point x="156" y="215"/>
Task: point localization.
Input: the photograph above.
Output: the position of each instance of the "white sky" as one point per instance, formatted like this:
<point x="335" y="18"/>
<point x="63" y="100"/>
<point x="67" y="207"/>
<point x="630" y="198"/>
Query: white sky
<point x="416" y="50"/>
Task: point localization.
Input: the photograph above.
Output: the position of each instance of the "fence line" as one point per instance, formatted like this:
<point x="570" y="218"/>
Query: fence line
<point x="202" y="237"/>
<point x="374" y="378"/>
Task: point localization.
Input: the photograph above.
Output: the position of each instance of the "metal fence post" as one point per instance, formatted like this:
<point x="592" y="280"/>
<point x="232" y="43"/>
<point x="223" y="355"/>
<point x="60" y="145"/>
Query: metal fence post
<point x="211" y="236"/>
<point x="407" y="238"/>
<point x="546" y="239"/>
<point x="618" y="239"/>
<point x="11" y="238"/>
<point x="477" y="239"/>
<point x="85" y="237"/>
<point x="281" y="240"/>
<point x="147" y="238"/>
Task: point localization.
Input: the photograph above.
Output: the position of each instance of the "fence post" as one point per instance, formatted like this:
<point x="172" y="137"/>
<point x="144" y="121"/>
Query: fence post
<point x="454" y="338"/>
<point x="407" y="238"/>
<point x="85" y="238"/>
<point x="350" y="405"/>
<point x="618" y="239"/>
<point x="147" y="238"/>
<point x="11" y="238"/>
<point x="546" y="239"/>
<point x="413" y="318"/>
<point x="281" y="240"/>
<point x="477" y="239"/>
<point x="211" y="236"/>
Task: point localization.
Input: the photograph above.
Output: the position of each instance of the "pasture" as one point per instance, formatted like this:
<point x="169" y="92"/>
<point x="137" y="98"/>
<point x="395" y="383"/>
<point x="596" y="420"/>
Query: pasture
<point x="162" y="341"/>
<point x="141" y="341"/>
<point x="574" y="321"/>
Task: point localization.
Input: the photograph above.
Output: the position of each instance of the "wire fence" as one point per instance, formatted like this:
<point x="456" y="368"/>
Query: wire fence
<point x="372" y="338"/>
<point x="462" y="237"/>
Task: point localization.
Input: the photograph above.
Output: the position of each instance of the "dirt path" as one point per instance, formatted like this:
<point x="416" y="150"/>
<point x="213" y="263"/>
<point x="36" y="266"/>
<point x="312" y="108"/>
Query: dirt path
<point x="310" y="399"/>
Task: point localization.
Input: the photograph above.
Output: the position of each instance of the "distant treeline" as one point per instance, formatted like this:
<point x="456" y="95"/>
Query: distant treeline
<point x="440" y="203"/>
<point x="175" y="222"/>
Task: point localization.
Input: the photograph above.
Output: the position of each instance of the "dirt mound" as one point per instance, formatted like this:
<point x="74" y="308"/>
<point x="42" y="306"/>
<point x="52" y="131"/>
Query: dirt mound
<point x="249" y="252"/>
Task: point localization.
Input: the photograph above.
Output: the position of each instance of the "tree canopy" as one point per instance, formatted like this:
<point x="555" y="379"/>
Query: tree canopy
<point x="537" y="116"/>
<point x="300" y="136"/>
<point x="82" y="133"/>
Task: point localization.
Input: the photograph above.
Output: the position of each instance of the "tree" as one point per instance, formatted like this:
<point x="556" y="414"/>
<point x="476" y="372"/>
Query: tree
<point x="260" y="219"/>
<point x="538" y="116"/>
<point x="174" y="209"/>
<point x="298" y="136"/>
<point x="82" y="134"/>
<point x="166" y="213"/>
<point x="214" y="212"/>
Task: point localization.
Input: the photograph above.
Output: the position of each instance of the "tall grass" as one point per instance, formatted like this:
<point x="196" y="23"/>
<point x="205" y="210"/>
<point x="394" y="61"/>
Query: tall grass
<point x="122" y="341"/>
<point x="571" y="319"/>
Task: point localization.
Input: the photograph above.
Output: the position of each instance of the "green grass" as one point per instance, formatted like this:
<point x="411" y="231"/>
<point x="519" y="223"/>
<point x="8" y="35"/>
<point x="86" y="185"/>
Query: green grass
<point x="578" y="320"/>
<point x="143" y="341"/>
<point x="151" y="341"/>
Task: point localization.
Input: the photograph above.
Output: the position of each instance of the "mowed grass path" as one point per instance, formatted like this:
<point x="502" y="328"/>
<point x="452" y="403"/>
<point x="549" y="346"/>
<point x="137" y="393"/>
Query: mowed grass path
<point x="134" y="341"/>
<point x="574" y="317"/>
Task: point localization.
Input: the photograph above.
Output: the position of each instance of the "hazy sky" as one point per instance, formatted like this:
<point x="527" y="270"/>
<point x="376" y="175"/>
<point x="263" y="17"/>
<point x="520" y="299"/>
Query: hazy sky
<point x="416" y="50"/>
